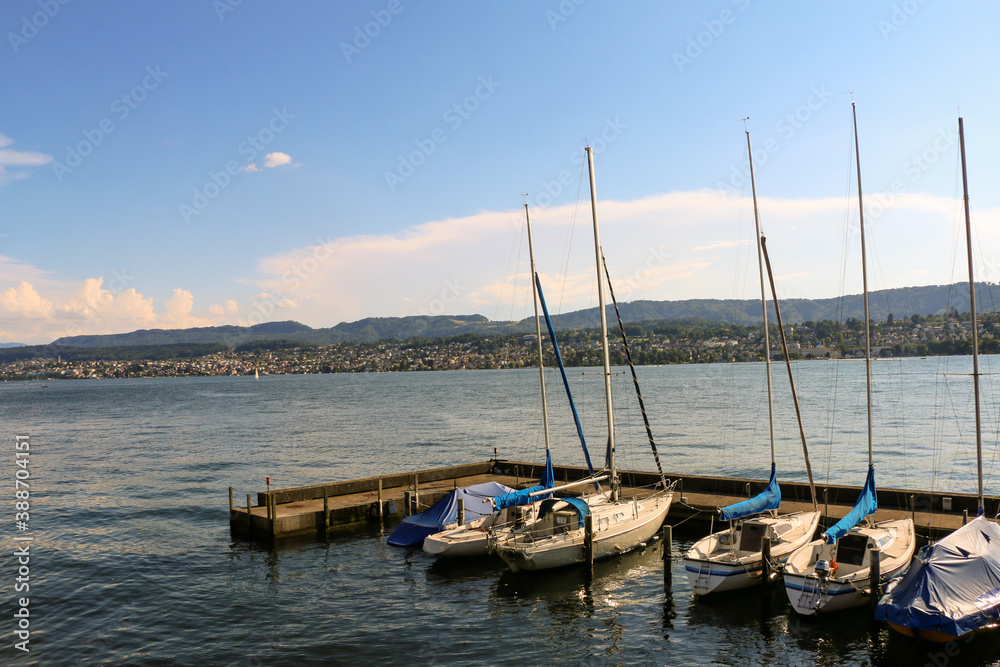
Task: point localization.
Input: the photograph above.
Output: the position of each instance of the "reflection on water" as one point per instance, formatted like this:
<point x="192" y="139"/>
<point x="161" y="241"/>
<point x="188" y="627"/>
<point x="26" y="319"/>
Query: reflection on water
<point x="136" y="564"/>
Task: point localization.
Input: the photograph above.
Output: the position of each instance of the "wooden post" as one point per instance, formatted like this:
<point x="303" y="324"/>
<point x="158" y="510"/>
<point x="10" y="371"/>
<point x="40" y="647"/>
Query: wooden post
<point x="965" y="517"/>
<point x="668" y="558"/>
<point x="588" y="541"/>
<point x="249" y="517"/>
<point x="380" y="518"/>
<point x="766" y="568"/>
<point x="461" y="511"/>
<point x="230" y="501"/>
<point x="274" y="516"/>
<point x="874" y="578"/>
<point x="326" y="513"/>
<point x="826" y="505"/>
<point x="416" y="494"/>
<point x="913" y="511"/>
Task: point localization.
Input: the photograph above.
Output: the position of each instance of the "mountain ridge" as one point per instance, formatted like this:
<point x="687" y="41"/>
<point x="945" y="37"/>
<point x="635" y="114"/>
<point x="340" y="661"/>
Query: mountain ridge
<point x="900" y="302"/>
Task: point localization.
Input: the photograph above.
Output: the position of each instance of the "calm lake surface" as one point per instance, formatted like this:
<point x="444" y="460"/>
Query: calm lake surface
<point x="132" y="562"/>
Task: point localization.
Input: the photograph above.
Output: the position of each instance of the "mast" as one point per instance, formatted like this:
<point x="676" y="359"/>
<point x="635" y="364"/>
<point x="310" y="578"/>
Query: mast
<point x="972" y="314"/>
<point x="791" y="380"/>
<point x="538" y="330"/>
<point x="604" y="328"/>
<point x="763" y="301"/>
<point x="864" y="286"/>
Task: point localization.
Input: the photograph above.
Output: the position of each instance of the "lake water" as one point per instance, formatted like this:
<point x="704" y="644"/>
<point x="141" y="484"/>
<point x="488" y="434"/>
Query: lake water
<point x="132" y="562"/>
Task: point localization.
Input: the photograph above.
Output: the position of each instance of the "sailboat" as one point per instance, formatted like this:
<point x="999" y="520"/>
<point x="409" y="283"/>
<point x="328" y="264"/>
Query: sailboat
<point x="517" y="508"/>
<point x="731" y="559"/>
<point x="256" y="374"/>
<point x="832" y="573"/>
<point x="952" y="588"/>
<point x="558" y="537"/>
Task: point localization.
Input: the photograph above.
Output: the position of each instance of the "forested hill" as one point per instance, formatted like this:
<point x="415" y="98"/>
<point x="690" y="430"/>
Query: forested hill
<point x="901" y="302"/>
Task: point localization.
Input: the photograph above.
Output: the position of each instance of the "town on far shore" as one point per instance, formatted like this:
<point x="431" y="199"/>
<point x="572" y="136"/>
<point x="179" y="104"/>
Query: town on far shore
<point x="660" y="342"/>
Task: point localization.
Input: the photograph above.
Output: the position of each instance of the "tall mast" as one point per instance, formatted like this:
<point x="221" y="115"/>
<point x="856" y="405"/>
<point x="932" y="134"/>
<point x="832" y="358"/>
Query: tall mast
<point x="604" y="328"/>
<point x="864" y="285"/>
<point x="791" y="380"/>
<point x="763" y="300"/>
<point x="975" y="321"/>
<point x="538" y="330"/>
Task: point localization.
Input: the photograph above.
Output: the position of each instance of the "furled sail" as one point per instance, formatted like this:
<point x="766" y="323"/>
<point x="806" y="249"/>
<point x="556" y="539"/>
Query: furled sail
<point x="768" y="499"/>
<point x="867" y="504"/>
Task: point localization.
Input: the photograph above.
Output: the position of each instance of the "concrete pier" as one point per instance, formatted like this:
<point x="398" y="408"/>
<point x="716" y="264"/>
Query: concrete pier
<point x="354" y="505"/>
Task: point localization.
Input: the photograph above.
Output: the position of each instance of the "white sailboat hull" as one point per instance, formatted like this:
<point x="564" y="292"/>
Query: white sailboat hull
<point x="811" y="594"/>
<point x="713" y="566"/>
<point x="466" y="541"/>
<point x="472" y="539"/>
<point x="618" y="528"/>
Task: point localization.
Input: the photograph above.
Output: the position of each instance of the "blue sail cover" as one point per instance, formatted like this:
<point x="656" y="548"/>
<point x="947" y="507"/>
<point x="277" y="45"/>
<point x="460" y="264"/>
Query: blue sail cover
<point x="413" y="529"/>
<point x="768" y="499"/>
<point x="867" y="504"/>
<point x="952" y="586"/>
<point x="524" y="497"/>
<point x="578" y="504"/>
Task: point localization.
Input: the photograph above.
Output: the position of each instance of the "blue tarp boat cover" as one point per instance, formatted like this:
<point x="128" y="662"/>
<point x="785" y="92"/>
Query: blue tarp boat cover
<point x="413" y="529"/>
<point x="524" y="497"/>
<point x="581" y="507"/>
<point x="867" y="504"/>
<point x="952" y="586"/>
<point x="768" y="499"/>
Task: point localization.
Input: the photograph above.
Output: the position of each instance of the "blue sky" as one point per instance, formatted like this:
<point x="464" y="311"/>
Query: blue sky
<point x="200" y="163"/>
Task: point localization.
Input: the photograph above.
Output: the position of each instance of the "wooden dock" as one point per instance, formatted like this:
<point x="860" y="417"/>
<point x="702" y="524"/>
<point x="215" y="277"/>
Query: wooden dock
<point x="361" y="504"/>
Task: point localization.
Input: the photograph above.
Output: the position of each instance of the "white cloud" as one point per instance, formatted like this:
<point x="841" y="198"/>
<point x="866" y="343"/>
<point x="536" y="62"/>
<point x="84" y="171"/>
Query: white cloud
<point x="17" y="159"/>
<point x="655" y="247"/>
<point x="277" y="159"/>
<point x="24" y="301"/>
<point x="251" y="167"/>
<point x="232" y="307"/>
<point x="179" y="311"/>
